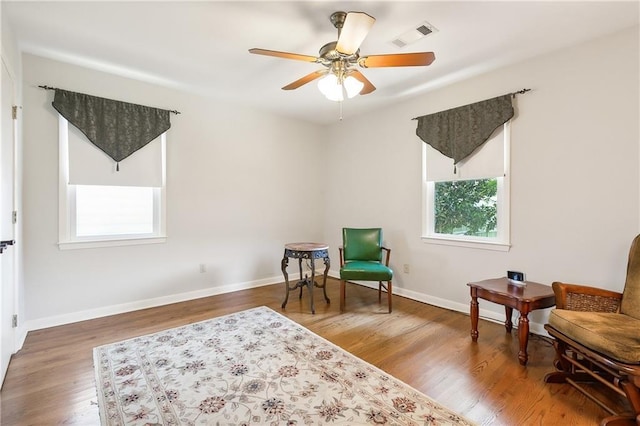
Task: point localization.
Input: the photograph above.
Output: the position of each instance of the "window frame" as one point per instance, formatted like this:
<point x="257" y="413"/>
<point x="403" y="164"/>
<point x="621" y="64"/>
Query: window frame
<point x="67" y="239"/>
<point x="502" y="242"/>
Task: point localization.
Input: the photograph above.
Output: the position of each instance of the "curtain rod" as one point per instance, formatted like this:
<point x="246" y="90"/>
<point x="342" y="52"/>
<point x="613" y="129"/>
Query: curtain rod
<point x="520" y="92"/>
<point x="45" y="87"/>
<point x="512" y="94"/>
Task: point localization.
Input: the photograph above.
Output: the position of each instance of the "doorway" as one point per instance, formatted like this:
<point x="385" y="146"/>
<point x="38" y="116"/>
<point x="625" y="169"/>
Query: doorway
<point x="8" y="292"/>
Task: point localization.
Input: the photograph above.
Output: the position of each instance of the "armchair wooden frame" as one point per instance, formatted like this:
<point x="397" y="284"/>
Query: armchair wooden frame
<point x="388" y="287"/>
<point x="578" y="364"/>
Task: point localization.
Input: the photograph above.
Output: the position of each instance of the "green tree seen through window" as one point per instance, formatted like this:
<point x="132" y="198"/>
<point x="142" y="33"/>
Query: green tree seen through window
<point x="466" y="207"/>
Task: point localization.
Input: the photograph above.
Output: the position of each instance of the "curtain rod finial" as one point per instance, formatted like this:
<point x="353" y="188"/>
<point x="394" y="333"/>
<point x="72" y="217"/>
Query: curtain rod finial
<point x="520" y="92"/>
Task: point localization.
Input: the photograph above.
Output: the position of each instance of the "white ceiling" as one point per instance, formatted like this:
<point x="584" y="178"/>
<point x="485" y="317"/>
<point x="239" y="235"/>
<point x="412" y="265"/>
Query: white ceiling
<point x="202" y="46"/>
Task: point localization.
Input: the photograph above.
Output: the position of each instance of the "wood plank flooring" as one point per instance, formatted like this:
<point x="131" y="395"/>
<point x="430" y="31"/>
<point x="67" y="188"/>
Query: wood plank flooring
<point x="51" y="381"/>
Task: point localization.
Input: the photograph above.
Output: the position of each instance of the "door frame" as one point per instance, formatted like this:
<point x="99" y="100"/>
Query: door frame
<point x="14" y="189"/>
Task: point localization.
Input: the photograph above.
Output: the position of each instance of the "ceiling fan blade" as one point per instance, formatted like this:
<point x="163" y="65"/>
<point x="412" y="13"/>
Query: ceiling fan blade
<point x="306" y="79"/>
<point x="368" y="87"/>
<point x="397" y="60"/>
<point x="355" y="29"/>
<point x="285" y="55"/>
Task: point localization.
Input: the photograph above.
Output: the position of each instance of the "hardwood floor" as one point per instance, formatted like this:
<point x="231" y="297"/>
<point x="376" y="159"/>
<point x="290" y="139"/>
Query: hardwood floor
<point x="50" y="381"/>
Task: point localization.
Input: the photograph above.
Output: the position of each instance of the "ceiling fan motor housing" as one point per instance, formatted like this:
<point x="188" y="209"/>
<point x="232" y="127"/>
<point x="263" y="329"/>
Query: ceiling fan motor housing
<point x="329" y="54"/>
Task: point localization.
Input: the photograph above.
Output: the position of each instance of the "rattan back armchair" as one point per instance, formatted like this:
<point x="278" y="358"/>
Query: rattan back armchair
<point x="597" y="339"/>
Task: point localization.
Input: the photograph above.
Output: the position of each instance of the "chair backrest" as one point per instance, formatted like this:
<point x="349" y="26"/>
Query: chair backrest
<point x="362" y="244"/>
<point x="631" y="295"/>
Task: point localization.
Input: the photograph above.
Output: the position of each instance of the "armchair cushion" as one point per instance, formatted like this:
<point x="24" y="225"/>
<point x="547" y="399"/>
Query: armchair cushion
<point x="366" y="271"/>
<point x="612" y="334"/>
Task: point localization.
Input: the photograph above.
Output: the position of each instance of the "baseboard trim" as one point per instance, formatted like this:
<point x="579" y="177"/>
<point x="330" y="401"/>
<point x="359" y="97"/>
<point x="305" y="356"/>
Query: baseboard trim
<point x="89" y="314"/>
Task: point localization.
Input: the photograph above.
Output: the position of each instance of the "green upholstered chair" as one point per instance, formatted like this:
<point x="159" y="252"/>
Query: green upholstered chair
<point x="361" y="260"/>
<point x="597" y="339"/>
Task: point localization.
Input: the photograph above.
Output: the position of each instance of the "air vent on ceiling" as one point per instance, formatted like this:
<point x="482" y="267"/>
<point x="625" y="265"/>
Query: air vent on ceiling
<point x="424" y="30"/>
<point x="419" y="31"/>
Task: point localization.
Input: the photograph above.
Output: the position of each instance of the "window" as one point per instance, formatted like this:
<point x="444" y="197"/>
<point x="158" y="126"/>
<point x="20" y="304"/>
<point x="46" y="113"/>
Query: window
<point x="466" y="207"/>
<point x="113" y="210"/>
<point x="471" y="206"/>
<point x="103" y="207"/>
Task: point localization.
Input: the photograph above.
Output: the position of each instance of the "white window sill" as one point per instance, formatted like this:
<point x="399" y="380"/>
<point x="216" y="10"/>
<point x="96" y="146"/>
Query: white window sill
<point x="482" y="245"/>
<point x="86" y="244"/>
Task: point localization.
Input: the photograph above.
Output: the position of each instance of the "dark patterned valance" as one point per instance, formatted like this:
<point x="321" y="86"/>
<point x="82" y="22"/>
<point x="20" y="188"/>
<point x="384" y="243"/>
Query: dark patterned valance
<point x="117" y="128"/>
<point x="457" y="132"/>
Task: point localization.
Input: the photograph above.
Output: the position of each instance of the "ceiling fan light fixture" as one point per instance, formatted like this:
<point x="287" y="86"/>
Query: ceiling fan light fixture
<point x="331" y="87"/>
<point x="334" y="88"/>
<point x="352" y="86"/>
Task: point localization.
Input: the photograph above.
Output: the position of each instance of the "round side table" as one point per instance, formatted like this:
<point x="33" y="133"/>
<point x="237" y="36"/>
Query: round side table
<point x="311" y="251"/>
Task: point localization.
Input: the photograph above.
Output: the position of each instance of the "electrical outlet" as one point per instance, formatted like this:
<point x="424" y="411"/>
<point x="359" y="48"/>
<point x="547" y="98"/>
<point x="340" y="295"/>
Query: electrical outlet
<point x="203" y="268"/>
<point x="406" y="268"/>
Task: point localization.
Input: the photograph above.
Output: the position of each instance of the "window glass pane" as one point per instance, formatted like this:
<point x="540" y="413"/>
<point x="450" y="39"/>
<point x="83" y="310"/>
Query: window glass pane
<point x="466" y="207"/>
<point x="113" y="210"/>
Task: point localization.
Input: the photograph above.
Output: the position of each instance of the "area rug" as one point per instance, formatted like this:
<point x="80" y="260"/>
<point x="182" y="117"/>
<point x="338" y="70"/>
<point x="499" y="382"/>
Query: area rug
<point x="254" y="367"/>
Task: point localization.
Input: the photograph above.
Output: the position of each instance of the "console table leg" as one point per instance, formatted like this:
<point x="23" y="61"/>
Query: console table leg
<point x="523" y="337"/>
<point x="509" y="313"/>
<point x="475" y="313"/>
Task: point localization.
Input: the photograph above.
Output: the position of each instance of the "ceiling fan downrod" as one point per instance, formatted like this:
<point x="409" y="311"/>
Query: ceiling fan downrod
<point x="337" y="19"/>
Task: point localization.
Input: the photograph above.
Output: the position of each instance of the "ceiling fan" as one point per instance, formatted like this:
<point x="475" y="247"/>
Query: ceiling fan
<point x="342" y="59"/>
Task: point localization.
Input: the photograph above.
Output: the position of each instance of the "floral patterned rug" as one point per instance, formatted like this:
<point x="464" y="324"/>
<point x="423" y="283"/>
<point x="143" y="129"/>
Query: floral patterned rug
<point x="253" y="367"/>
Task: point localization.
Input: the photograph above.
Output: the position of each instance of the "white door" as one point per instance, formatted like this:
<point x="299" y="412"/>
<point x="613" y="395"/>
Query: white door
<point x="7" y="227"/>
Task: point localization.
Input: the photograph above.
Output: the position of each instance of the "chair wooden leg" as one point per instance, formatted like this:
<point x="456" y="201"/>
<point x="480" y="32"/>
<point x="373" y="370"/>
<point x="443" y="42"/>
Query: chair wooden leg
<point x="388" y="288"/>
<point x="342" y="294"/>
<point x="563" y="366"/>
<point x="633" y="395"/>
<point x="620" y="421"/>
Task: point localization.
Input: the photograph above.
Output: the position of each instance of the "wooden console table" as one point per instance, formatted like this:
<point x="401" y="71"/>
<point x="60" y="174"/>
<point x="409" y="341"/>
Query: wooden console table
<point x="525" y="298"/>
<point x="311" y="251"/>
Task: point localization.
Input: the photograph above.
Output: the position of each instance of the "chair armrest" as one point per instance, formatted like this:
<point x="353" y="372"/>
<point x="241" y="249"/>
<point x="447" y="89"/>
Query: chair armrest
<point x="341" y="250"/>
<point x="388" y="251"/>
<point x="575" y="297"/>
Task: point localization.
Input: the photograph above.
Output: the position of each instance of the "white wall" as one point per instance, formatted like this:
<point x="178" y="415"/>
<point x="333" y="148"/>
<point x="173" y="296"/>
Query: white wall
<point x="238" y="188"/>
<point x="240" y="185"/>
<point x="574" y="188"/>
